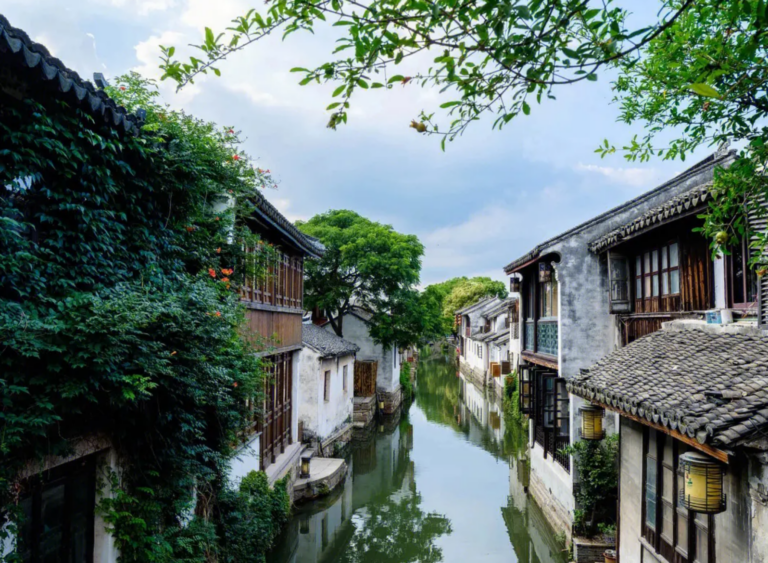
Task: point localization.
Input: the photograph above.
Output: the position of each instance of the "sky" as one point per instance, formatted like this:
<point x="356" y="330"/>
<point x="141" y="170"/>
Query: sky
<point x="487" y="200"/>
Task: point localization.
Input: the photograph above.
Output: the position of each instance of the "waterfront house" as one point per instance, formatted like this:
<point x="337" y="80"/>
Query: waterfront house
<point x="475" y="328"/>
<point x="689" y="386"/>
<point x="565" y="327"/>
<point x="383" y="360"/>
<point x="274" y="311"/>
<point x="326" y="388"/>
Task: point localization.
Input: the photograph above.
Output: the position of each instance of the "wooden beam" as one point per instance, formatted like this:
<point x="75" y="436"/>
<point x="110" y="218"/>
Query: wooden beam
<point x="538" y="360"/>
<point x="709" y="450"/>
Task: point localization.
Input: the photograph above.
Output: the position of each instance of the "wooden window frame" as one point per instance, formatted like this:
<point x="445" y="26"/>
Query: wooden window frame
<point x="653" y="534"/>
<point x="748" y="273"/>
<point x="555" y="436"/>
<point x="64" y="474"/>
<point x="646" y="277"/>
<point x="327" y="386"/>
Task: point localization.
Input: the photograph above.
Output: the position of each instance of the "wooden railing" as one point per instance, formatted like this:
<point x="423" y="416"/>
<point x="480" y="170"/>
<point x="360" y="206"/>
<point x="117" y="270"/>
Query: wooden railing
<point x="280" y="281"/>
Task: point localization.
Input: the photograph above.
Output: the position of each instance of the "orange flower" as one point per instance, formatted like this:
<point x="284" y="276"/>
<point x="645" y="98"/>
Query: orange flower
<point x="122" y="88"/>
<point x="212" y="272"/>
<point x="228" y="285"/>
<point x="217" y="313"/>
<point x="190" y="229"/>
<point x="225" y="279"/>
<point x="218" y="250"/>
<point x="234" y="384"/>
<point x="227" y="271"/>
<point x="236" y="157"/>
<point x="173" y="353"/>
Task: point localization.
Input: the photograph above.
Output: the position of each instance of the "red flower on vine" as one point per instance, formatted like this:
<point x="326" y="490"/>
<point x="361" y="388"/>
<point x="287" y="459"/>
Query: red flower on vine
<point x="217" y="313"/>
<point x="236" y="157"/>
<point x="225" y="279"/>
<point x="212" y="272"/>
<point x="231" y="132"/>
<point x="218" y="250"/>
<point x="190" y="229"/>
<point x="217" y="219"/>
<point x="227" y="271"/>
<point x="234" y="384"/>
<point x="122" y="88"/>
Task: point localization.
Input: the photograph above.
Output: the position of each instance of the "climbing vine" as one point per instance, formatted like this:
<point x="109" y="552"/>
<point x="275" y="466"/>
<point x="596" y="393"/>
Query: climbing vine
<point x="119" y="318"/>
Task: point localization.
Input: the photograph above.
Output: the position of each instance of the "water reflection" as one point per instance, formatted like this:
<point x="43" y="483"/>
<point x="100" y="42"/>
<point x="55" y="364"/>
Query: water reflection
<point x="423" y="488"/>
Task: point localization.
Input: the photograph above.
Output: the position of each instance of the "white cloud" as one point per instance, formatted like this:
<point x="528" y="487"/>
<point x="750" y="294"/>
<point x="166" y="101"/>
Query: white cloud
<point x="144" y="7"/>
<point x="633" y="177"/>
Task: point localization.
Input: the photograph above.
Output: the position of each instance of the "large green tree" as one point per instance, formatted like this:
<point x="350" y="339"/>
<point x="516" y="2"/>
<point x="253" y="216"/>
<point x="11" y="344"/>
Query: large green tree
<point x="696" y="71"/>
<point x="367" y="265"/>
<point x="470" y="291"/>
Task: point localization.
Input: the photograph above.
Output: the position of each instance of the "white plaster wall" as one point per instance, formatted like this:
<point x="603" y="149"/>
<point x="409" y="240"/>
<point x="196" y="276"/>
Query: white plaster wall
<point x="338" y="409"/>
<point x="556" y="480"/>
<point x="719" y="275"/>
<point x="309" y="389"/>
<point x="631" y="491"/>
<point x="473" y="358"/>
<point x="246" y="460"/>
<point x="355" y="330"/>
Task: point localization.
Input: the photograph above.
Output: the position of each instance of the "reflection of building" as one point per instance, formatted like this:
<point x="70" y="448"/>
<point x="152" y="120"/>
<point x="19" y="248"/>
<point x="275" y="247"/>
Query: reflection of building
<point x="485" y="407"/>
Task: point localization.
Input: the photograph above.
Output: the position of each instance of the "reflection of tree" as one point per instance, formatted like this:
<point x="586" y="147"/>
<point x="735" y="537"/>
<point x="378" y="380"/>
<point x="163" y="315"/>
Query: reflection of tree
<point x="397" y="531"/>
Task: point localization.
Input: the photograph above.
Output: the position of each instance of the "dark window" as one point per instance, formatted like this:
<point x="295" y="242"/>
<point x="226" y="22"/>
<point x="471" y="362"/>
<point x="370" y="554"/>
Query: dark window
<point x="550" y="409"/>
<point x="58" y="515"/>
<point x="344" y="378"/>
<point x="667" y="527"/>
<point x="327" y="386"/>
<point x="742" y="281"/>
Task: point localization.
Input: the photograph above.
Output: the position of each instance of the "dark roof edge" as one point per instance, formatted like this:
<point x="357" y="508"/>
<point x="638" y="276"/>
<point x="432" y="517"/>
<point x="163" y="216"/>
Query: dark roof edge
<point x="708" y="162"/>
<point x="33" y="56"/>
<point x="270" y="213"/>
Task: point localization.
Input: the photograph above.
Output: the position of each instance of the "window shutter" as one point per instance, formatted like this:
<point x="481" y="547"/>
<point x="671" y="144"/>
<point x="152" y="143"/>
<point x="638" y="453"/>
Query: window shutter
<point x="550" y="402"/>
<point x="758" y="223"/>
<point x="618" y="284"/>
<point x="525" y="387"/>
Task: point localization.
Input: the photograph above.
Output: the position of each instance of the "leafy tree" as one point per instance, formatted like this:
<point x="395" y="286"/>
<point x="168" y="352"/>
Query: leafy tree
<point x="695" y="76"/>
<point x="368" y="265"/>
<point x="471" y="291"/>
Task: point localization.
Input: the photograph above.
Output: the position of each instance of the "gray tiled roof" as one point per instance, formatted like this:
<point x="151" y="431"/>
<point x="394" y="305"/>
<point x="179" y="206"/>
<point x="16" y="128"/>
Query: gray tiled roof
<point x="310" y="245"/>
<point x="502" y="307"/>
<point x="713" y="160"/>
<point x="683" y="203"/>
<point x="325" y="342"/>
<point x="484" y="301"/>
<point x="35" y="57"/>
<point x="710" y="386"/>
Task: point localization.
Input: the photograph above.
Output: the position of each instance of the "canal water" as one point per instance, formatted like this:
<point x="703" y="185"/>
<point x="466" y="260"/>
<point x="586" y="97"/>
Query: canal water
<point x="446" y="481"/>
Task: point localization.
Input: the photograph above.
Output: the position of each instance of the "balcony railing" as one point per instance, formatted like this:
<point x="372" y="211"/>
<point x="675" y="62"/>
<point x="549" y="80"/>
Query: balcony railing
<point x="546" y="333"/>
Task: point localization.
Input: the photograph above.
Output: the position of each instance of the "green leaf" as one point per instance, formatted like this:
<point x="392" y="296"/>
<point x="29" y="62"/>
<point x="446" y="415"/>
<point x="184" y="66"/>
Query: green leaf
<point x="395" y="78"/>
<point x="526" y="108"/>
<point x="449" y="104"/>
<point x="299" y="69"/>
<point x="362" y="83"/>
<point x="705" y="90"/>
<point x="333" y="105"/>
<point x="338" y="91"/>
<point x="592" y="77"/>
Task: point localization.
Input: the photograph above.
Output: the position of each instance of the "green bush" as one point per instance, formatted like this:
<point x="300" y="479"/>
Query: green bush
<point x="252" y="518"/>
<point x="596" y="464"/>
<point x="511" y="400"/>
<point x="405" y="380"/>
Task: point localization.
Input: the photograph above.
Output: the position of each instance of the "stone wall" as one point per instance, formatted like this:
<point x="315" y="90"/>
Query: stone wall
<point x="558" y="516"/>
<point x="587" y="550"/>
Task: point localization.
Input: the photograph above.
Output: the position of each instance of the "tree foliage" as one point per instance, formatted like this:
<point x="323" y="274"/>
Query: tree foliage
<point x="469" y="291"/>
<point x="367" y="265"/>
<point x="116" y="313"/>
<point x="693" y="77"/>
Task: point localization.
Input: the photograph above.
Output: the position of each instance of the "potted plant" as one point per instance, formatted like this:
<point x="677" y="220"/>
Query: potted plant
<point x="610" y="555"/>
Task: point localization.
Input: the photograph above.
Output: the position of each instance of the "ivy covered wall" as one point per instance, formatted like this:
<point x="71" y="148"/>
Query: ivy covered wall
<point x="118" y="316"/>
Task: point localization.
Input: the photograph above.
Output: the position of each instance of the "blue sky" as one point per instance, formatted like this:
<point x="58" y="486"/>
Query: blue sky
<point x="488" y="199"/>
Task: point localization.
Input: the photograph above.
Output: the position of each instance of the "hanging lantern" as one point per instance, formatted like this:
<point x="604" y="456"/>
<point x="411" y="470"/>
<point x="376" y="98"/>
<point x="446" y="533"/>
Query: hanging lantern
<point x="592" y="422"/>
<point x="515" y="285"/>
<point x="702" y="484"/>
<point x="545" y="272"/>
